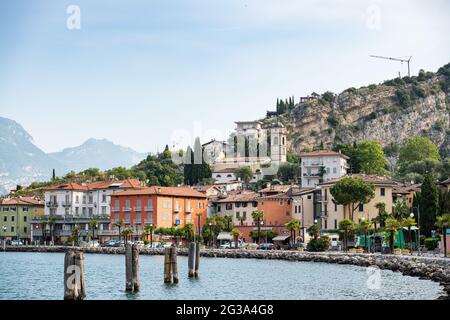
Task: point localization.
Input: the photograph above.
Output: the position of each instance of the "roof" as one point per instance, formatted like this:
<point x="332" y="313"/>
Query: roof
<point x="406" y="189"/>
<point x="276" y="188"/>
<point x="204" y="189"/>
<point x="163" y="191"/>
<point x="323" y="153"/>
<point x="214" y="141"/>
<point x="244" y="196"/>
<point x="446" y="181"/>
<point x="98" y="185"/>
<point x="226" y="170"/>
<point x="23" y="201"/>
<point x="249" y="121"/>
<point x="377" y="180"/>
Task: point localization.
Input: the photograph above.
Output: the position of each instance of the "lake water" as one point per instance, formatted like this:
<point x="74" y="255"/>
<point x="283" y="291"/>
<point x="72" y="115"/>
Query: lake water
<point x="40" y="276"/>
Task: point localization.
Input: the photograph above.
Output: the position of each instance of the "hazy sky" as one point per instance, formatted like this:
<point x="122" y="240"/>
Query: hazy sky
<point x="138" y="71"/>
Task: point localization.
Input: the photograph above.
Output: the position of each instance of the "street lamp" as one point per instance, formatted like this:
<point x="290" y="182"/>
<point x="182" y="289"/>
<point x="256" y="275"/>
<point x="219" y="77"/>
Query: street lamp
<point x="262" y="223"/>
<point x="4" y="236"/>
<point x="151" y="235"/>
<point x="418" y="226"/>
<point x="211" y="233"/>
<point x="95" y="226"/>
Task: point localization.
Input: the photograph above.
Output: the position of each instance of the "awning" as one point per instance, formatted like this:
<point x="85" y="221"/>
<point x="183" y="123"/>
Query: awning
<point x="281" y="238"/>
<point x="225" y="236"/>
<point x="413" y="228"/>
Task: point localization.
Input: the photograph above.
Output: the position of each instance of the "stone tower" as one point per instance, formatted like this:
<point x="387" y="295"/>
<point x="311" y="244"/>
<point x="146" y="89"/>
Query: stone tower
<point x="278" y="147"/>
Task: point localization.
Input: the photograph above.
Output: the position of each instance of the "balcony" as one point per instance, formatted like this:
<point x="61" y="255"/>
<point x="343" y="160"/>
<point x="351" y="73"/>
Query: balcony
<point x="148" y="209"/>
<point x="188" y="210"/>
<point x="66" y="204"/>
<point x="115" y="209"/>
<point x="126" y="209"/>
<point x="138" y="209"/>
<point x="312" y="164"/>
<point x="176" y="209"/>
<point x="320" y="198"/>
<point x="312" y="175"/>
<point x="52" y="204"/>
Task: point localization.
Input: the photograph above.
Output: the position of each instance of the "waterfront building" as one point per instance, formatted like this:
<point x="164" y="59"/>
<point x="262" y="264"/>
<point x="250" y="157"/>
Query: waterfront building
<point x="321" y="166"/>
<point x="71" y="204"/>
<point x="160" y="206"/>
<point x="405" y="192"/>
<point x="237" y="204"/>
<point x="329" y="213"/>
<point x="16" y="215"/>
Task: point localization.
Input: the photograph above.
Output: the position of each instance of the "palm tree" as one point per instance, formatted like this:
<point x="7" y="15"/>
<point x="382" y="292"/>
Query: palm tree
<point x="119" y="224"/>
<point x="126" y="233"/>
<point x="400" y="209"/>
<point x="76" y="234"/>
<point x="364" y="226"/>
<point x="188" y="231"/>
<point x="392" y="226"/>
<point x="314" y="231"/>
<point x="346" y="226"/>
<point x="382" y="214"/>
<point x="228" y="220"/>
<point x="293" y="226"/>
<point x="51" y="222"/>
<point x="94" y="225"/>
<point x="236" y="234"/>
<point x="257" y="216"/>
<point x="409" y="223"/>
<point x="149" y="231"/>
<point x="443" y="222"/>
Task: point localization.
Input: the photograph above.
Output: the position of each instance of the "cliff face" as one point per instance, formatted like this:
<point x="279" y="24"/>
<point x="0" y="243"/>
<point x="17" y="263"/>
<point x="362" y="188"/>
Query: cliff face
<point x="388" y="113"/>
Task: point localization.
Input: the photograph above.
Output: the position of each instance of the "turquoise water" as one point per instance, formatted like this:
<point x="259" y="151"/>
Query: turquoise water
<point x="33" y="276"/>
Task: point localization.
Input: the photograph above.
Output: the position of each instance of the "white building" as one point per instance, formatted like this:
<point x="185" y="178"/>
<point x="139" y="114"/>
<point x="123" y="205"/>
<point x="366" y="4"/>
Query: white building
<point x="73" y="199"/>
<point x="321" y="166"/>
<point x="214" y="150"/>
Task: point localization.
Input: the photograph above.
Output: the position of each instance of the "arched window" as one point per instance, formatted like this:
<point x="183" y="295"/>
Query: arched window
<point x="282" y="141"/>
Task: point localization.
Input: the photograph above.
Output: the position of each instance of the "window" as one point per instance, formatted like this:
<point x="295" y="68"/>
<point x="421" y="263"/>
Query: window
<point x="103" y="210"/>
<point x="127" y="204"/>
<point x="12" y="218"/>
<point x="25" y="209"/>
<point x="76" y="210"/>
<point x="335" y="224"/>
<point x="229" y="206"/>
<point x="84" y="199"/>
<point x="219" y="207"/>
<point x="84" y="211"/>
<point x="116" y="203"/>
<point x="255" y="204"/>
<point x="90" y="211"/>
<point x="66" y="210"/>
<point x="335" y="207"/>
<point x="104" y="197"/>
<point x="361" y="207"/>
<point x="127" y="217"/>
<point x="5" y="219"/>
<point x="244" y="215"/>
<point x="326" y="224"/>
<point x="91" y="199"/>
<point x="116" y="216"/>
<point x="382" y="192"/>
<point x="25" y="230"/>
<point x="275" y="140"/>
<point x="238" y="204"/>
<point x="138" y="217"/>
<point x="150" y="218"/>
<point x="77" y="199"/>
<point x="138" y="204"/>
<point x="244" y="204"/>
<point x="238" y="215"/>
<point x="309" y="197"/>
<point x="334" y="170"/>
<point x="12" y="229"/>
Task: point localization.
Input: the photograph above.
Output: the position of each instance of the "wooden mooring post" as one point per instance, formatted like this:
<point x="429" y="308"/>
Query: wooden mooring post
<point x="197" y="258"/>
<point x="170" y="265"/>
<point x="74" y="275"/>
<point x="191" y="260"/>
<point x="132" y="268"/>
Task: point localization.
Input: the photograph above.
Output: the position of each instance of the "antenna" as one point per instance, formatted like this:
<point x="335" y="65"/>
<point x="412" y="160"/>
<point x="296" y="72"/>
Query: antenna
<point x="397" y="59"/>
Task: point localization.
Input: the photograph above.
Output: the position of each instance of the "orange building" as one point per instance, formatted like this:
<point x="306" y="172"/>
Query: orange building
<point x="277" y="209"/>
<point x="160" y="206"/>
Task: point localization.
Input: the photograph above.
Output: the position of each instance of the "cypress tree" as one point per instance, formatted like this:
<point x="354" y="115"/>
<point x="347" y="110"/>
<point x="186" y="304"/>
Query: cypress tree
<point x="429" y="205"/>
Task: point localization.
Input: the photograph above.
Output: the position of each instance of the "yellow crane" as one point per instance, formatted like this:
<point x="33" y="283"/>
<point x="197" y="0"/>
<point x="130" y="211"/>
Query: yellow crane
<point x="402" y="59"/>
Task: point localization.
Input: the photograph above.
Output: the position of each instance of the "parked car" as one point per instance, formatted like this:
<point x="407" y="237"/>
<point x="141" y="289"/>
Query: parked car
<point x="110" y="243"/>
<point x="165" y="245"/>
<point x="225" y="246"/>
<point x="154" y="245"/>
<point x="266" y="246"/>
<point x="298" y="246"/>
<point x="16" y="243"/>
<point x="139" y="243"/>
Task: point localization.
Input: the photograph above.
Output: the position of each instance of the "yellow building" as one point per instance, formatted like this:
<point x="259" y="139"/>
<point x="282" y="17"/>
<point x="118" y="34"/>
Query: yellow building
<point x="405" y="193"/>
<point x="331" y="214"/>
<point x="16" y="215"/>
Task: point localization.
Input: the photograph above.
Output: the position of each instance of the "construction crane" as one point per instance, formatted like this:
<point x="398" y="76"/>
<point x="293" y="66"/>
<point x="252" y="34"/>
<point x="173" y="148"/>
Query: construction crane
<point x="397" y="59"/>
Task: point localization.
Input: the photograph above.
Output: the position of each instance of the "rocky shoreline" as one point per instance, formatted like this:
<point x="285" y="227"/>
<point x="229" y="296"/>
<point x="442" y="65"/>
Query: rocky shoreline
<point x="429" y="268"/>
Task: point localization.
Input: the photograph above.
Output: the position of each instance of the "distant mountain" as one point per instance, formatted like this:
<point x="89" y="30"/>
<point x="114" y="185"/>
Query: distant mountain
<point x="95" y="153"/>
<point x="22" y="162"/>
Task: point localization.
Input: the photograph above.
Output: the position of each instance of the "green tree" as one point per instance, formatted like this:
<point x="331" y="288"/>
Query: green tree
<point x="371" y="158"/>
<point x="352" y="192"/>
<point x="409" y="222"/>
<point x="236" y="234"/>
<point x="293" y="226"/>
<point x="288" y="172"/>
<point x="443" y="222"/>
<point x="119" y="225"/>
<point x="245" y="173"/>
<point x="346" y="226"/>
<point x="429" y="205"/>
<point x="417" y="148"/>
<point x="382" y="214"/>
<point x="314" y="231"/>
<point x="400" y="210"/>
<point x="127" y="232"/>
<point x="364" y="228"/>
<point x="392" y="226"/>
<point x="258" y="216"/>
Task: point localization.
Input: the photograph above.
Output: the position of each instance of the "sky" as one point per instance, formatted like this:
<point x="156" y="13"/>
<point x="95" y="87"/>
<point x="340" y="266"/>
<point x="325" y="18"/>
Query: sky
<point x="149" y="73"/>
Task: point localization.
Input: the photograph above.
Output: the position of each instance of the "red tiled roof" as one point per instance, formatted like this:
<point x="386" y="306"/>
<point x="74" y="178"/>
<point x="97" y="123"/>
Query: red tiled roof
<point x="122" y="184"/>
<point x="164" y="191"/>
<point x="323" y="153"/>
<point x="246" y="196"/>
<point x="23" y="201"/>
<point x="379" y="180"/>
<point x="67" y="186"/>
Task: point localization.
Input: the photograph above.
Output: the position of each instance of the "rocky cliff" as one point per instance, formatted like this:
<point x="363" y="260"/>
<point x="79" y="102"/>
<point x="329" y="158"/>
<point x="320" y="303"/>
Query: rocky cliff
<point x="389" y="113"/>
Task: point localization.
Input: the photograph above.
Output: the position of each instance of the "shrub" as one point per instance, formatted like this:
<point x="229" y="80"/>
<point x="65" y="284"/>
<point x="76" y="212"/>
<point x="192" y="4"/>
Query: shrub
<point x="403" y="97"/>
<point x="319" y="245"/>
<point x="372" y="87"/>
<point x="373" y="116"/>
<point x="431" y="243"/>
<point x="418" y="91"/>
<point x="438" y="126"/>
<point x="333" y="121"/>
<point x="328" y="96"/>
<point x="330" y="130"/>
<point x="351" y="90"/>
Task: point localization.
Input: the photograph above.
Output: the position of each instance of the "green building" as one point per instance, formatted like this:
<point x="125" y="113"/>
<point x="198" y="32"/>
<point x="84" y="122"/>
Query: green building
<point x="16" y="215"/>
